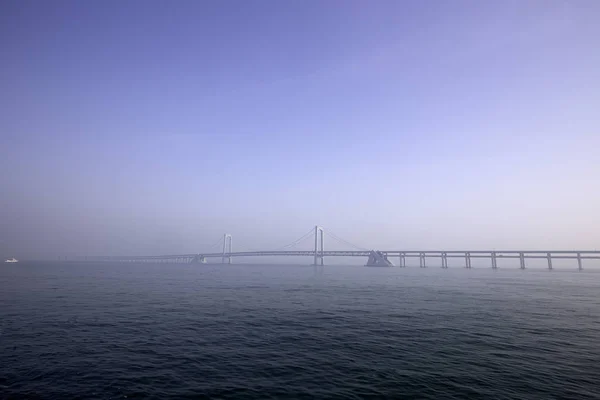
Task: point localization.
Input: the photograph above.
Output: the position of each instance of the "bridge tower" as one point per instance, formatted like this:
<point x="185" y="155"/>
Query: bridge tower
<point x="319" y="253"/>
<point x="227" y="248"/>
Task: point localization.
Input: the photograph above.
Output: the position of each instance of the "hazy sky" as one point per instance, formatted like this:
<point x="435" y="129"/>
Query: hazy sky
<point x="147" y="127"/>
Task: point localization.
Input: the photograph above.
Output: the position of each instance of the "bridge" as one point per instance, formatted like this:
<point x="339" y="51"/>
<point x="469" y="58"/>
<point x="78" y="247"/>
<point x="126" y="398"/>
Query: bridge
<point x="374" y="257"/>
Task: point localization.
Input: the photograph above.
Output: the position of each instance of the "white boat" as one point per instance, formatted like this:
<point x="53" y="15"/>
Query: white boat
<point x="11" y="260"/>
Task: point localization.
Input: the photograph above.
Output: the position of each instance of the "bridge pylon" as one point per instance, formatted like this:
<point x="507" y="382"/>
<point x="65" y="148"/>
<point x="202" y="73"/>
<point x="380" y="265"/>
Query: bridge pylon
<point x="319" y="253"/>
<point x="227" y="248"/>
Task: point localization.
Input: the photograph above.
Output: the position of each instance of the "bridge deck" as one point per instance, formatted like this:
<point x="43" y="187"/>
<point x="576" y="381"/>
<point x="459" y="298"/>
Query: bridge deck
<point x="555" y="254"/>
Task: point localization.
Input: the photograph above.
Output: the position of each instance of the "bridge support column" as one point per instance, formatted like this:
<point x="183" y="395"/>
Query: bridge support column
<point x="422" y="263"/>
<point x="579" y="261"/>
<point x="468" y="260"/>
<point x="402" y="259"/>
<point x="322" y="248"/>
<point x="494" y="261"/>
<point x="549" y="257"/>
<point x="227" y="248"/>
<point x="319" y="254"/>
<point x="522" y="260"/>
<point x="444" y="260"/>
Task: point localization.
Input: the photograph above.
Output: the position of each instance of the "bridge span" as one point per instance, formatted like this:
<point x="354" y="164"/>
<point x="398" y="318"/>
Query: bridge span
<point x="374" y="257"/>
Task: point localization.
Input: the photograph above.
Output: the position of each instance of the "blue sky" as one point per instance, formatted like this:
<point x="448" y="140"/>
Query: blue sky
<point x="151" y="126"/>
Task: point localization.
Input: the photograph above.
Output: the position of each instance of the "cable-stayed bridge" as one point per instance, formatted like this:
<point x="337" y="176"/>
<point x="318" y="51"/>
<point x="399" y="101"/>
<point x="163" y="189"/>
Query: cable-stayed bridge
<point x="222" y="251"/>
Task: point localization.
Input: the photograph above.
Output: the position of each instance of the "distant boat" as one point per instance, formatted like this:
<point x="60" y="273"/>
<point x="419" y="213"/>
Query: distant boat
<point x="11" y="260"/>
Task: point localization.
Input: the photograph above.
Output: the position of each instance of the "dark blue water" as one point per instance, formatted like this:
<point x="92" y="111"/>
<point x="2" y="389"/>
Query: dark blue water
<point x="181" y="331"/>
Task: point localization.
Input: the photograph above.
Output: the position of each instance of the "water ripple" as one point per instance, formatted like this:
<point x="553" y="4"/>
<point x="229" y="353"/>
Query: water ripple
<point x="285" y="333"/>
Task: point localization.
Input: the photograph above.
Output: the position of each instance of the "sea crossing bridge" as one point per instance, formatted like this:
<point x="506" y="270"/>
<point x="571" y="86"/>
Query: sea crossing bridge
<point x="374" y="257"/>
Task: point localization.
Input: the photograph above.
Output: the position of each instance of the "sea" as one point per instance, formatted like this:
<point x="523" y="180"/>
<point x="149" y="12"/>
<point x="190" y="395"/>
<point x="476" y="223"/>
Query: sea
<point x="73" y="330"/>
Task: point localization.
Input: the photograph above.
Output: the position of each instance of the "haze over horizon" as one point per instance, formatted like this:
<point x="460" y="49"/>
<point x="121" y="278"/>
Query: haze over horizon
<point x="155" y="127"/>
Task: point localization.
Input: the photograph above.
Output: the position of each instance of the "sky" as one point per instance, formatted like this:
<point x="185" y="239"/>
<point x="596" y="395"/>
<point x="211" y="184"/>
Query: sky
<point x="153" y="127"/>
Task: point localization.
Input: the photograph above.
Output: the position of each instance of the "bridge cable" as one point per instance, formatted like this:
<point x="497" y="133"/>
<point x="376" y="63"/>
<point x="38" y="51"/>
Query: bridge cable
<point x="309" y="237"/>
<point x="334" y="236"/>
<point x="297" y="241"/>
<point x="214" y="245"/>
<point x="300" y="239"/>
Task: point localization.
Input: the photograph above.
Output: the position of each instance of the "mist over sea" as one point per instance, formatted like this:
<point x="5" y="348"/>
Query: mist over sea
<point x="111" y="331"/>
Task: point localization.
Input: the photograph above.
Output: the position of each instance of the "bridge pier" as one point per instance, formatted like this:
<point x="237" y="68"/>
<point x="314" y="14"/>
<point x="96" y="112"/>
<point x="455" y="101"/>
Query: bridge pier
<point x="579" y="261"/>
<point x="402" y="260"/>
<point x="444" y="260"/>
<point x="549" y="257"/>
<point x="494" y="262"/>
<point x="378" y="259"/>
<point x="522" y="260"/>
<point x="422" y="260"/>
<point x="468" y="260"/>
<point x="198" y="259"/>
